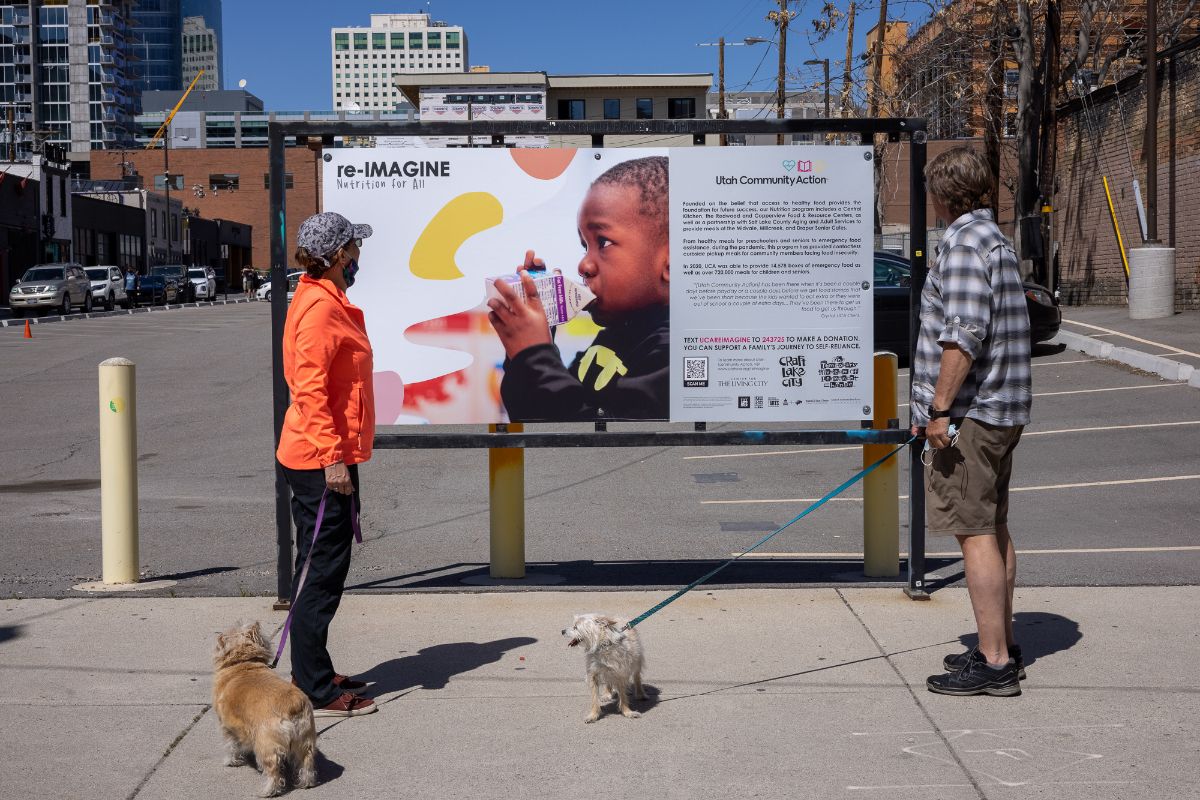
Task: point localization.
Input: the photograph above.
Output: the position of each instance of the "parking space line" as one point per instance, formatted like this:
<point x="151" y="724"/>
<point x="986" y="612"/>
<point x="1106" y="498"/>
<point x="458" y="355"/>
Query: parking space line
<point x="1020" y="552"/>
<point x="1026" y="434"/>
<point x="1111" y="332"/>
<point x="1048" y="487"/>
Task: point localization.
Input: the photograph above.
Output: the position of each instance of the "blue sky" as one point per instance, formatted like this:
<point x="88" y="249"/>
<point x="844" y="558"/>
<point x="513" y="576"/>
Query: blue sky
<point x="281" y="48"/>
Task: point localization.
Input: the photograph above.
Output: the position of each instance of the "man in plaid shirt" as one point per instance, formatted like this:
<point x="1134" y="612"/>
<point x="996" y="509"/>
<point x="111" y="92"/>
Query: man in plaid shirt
<point x="972" y="370"/>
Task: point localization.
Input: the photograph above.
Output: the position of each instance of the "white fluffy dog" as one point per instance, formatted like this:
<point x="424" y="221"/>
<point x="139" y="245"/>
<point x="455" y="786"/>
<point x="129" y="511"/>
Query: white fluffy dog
<point x="614" y="659"/>
<point x="260" y="713"/>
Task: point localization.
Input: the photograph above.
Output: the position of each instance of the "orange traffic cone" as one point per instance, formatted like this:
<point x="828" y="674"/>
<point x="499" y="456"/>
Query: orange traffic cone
<point x="28" y="332"/>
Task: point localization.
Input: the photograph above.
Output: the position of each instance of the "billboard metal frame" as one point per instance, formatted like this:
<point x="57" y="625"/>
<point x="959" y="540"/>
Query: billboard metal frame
<point x="324" y="131"/>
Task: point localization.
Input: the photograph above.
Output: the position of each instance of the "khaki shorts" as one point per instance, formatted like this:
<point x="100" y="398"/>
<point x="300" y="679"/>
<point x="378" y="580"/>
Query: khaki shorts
<point x="966" y="487"/>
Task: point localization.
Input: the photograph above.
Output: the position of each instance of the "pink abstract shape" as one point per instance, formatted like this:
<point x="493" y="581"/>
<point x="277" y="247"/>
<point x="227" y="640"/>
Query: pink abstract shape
<point x="389" y="397"/>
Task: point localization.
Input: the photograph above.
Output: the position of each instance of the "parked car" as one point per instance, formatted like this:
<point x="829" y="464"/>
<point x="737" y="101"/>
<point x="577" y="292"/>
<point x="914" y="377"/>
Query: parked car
<point x="293" y="278"/>
<point x="64" y="286"/>
<point x="204" y="283"/>
<point x="155" y="290"/>
<point x="108" y="287"/>
<point x="893" y="277"/>
<point x="179" y="274"/>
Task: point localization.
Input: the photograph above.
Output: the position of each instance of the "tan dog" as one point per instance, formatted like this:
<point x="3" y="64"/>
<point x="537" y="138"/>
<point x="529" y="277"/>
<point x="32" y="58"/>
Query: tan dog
<point x="613" y="654"/>
<point x="260" y="713"/>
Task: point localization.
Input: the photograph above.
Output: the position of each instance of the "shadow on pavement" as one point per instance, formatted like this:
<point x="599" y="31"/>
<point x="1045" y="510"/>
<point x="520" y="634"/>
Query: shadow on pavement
<point x="656" y="573"/>
<point x="1039" y="633"/>
<point x="1046" y="349"/>
<point x="9" y="632"/>
<point x="433" y="667"/>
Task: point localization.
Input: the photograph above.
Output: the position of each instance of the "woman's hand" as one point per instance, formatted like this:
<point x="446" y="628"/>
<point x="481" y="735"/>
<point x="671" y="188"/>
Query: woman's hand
<point x="520" y="322"/>
<point x="337" y="478"/>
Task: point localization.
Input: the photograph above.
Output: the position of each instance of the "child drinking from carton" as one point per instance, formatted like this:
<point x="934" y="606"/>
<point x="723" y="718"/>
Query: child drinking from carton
<point x="623" y="228"/>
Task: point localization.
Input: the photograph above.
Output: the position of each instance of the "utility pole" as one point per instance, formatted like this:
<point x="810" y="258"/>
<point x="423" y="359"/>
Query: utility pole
<point x="877" y="67"/>
<point x="781" y="18"/>
<point x="721" y="86"/>
<point x="849" y="60"/>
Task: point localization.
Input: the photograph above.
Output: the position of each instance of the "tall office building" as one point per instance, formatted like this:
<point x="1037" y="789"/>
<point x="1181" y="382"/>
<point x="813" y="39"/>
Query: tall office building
<point x="200" y="52"/>
<point x="67" y="75"/>
<point x="159" y="27"/>
<point x="364" y="60"/>
<point x="204" y="14"/>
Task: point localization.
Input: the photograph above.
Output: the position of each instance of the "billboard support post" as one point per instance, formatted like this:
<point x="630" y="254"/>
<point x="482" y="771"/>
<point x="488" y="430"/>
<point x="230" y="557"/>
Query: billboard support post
<point x="506" y="499"/>
<point x="881" y="495"/>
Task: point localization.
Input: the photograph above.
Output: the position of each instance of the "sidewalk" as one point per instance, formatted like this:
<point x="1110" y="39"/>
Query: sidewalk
<point x="1168" y="347"/>
<point x="811" y="693"/>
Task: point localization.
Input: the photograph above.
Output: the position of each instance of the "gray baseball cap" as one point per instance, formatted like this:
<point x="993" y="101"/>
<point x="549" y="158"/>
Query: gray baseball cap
<point x="322" y="234"/>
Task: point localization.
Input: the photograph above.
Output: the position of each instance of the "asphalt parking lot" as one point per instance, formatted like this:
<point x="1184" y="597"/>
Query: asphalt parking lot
<point x="1104" y="484"/>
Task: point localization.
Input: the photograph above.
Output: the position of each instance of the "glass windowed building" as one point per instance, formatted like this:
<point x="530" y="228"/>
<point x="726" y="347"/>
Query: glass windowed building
<point x="166" y="46"/>
<point x="68" y="72"/>
<point x="365" y="60"/>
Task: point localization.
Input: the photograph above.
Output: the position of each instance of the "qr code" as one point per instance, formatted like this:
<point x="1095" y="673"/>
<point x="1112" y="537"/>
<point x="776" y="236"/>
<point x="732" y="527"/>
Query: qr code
<point x="695" y="371"/>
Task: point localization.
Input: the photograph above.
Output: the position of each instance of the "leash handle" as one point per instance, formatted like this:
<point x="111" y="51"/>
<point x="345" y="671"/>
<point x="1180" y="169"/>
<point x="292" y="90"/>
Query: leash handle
<point x="287" y="625"/>
<point x="829" y="496"/>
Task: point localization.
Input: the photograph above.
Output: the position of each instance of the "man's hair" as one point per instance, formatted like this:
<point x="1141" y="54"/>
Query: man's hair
<point x="960" y="179"/>
<point x="650" y="176"/>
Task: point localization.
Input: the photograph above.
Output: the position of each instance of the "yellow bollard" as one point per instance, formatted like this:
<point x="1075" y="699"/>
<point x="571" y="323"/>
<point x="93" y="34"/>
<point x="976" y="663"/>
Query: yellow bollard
<point x="881" y="489"/>
<point x="118" y="471"/>
<point x="506" y="479"/>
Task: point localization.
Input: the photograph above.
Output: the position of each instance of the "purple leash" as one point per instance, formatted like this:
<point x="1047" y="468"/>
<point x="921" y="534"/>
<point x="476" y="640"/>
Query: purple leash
<point x="287" y="625"/>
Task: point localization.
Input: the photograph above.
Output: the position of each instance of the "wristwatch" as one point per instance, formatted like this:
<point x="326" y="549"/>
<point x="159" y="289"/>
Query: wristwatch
<point x="938" y="413"/>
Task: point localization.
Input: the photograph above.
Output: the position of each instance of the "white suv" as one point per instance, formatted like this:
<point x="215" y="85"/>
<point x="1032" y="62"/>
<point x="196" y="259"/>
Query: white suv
<point x="108" y="287"/>
<point x="204" y="282"/>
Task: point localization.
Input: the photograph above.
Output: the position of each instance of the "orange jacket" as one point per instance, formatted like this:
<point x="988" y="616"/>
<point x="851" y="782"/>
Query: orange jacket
<point x="328" y="366"/>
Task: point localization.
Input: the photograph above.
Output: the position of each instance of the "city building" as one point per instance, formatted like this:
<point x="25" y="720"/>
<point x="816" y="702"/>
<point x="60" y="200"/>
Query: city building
<point x="158" y="218"/>
<point x="212" y="128"/>
<point x="364" y="61"/>
<point x="765" y="105"/>
<point x="207" y="16"/>
<point x="165" y="44"/>
<point x="231" y="184"/>
<point x="159" y="29"/>
<point x="528" y="96"/>
<point x="200" y="56"/>
<point x="35" y="213"/>
<point x="68" y="76"/>
<point x="228" y="100"/>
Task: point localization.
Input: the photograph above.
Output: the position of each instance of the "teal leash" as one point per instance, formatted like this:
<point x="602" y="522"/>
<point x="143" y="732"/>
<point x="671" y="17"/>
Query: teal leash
<point x="642" y="618"/>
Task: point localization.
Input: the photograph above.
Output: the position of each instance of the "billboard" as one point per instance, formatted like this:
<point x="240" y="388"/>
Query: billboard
<point x="729" y="285"/>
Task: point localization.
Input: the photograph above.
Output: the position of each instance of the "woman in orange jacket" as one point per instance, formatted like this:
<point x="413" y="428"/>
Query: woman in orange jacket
<point x="327" y="433"/>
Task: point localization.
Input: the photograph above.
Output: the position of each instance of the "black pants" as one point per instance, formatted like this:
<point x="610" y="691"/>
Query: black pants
<point x="312" y="668"/>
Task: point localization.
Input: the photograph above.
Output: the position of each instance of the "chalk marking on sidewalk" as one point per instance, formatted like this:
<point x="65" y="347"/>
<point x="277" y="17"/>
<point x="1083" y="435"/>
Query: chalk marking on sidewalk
<point x="1026" y="434"/>
<point x="1049" y="487"/>
<point x="1081" y="726"/>
<point x="1111" y="332"/>
<point x="957" y="554"/>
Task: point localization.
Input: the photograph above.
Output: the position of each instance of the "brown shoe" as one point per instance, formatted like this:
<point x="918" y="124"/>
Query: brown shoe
<point x="347" y="684"/>
<point x="348" y="705"/>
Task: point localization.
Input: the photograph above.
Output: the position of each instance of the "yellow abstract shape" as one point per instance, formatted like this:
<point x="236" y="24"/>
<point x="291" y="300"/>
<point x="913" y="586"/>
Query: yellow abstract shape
<point x="610" y="364"/>
<point x="583" y="327"/>
<point x="466" y="215"/>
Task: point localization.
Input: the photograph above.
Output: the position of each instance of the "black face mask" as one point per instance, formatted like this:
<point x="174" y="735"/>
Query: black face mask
<point x="349" y="271"/>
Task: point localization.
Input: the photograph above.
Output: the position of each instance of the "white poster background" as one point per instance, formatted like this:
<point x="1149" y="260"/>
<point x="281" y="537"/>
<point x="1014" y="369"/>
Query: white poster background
<point x="508" y="212"/>
<point x="771" y="284"/>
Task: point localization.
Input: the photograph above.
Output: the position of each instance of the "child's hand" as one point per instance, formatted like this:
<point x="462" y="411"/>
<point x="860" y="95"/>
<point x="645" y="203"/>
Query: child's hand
<point x="520" y="322"/>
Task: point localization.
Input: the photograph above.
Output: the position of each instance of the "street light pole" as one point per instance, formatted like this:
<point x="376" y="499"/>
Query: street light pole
<point x="167" y="183"/>
<point x="825" y="63"/>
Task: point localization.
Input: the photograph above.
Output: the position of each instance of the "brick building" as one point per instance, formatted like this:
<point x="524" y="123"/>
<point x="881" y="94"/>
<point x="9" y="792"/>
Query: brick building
<point x="1102" y="136"/>
<point x="228" y="184"/>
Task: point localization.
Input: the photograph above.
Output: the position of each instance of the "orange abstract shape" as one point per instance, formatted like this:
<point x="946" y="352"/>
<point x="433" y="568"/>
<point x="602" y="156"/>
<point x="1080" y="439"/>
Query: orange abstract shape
<point x="543" y="164"/>
<point x="466" y="215"/>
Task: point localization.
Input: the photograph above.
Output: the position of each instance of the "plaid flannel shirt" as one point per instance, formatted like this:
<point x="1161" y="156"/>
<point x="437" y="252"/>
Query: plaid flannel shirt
<point x="973" y="298"/>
